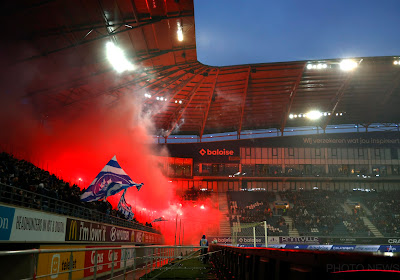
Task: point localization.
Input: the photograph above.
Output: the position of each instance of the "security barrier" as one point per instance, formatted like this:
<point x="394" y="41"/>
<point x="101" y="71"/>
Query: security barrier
<point x="22" y="225"/>
<point x="20" y="197"/>
<point x="89" y="262"/>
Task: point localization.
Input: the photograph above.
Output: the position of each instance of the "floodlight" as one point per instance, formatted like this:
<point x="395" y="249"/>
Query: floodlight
<point x="396" y="62"/>
<point x="348" y="64"/>
<point x="180" y="32"/>
<point x="291" y="116"/>
<point x="314" y="115"/>
<point x="309" y="66"/>
<point x="117" y="58"/>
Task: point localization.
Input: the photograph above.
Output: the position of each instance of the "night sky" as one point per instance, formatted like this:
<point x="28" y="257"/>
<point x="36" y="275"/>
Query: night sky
<point x="230" y="32"/>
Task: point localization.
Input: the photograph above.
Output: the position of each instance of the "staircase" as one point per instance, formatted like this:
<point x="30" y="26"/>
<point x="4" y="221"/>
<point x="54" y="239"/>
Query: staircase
<point x="347" y="209"/>
<point x="224" y="224"/>
<point x="292" y="230"/>
<point x="366" y="209"/>
<point x="371" y="227"/>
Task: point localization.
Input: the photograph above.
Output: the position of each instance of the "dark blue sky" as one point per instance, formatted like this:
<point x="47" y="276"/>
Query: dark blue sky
<point x="230" y="32"/>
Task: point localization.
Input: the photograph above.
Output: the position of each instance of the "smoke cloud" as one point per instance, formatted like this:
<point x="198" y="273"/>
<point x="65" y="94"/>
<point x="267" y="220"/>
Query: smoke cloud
<point x="77" y="141"/>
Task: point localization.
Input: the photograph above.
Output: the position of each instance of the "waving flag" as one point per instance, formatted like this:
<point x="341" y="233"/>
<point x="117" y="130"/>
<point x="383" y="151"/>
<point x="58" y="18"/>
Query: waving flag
<point x="161" y="219"/>
<point x="111" y="180"/>
<point x="124" y="208"/>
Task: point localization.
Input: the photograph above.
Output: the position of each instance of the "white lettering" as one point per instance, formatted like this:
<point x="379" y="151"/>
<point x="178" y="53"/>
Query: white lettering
<point x="3" y="223"/>
<point x="99" y="257"/>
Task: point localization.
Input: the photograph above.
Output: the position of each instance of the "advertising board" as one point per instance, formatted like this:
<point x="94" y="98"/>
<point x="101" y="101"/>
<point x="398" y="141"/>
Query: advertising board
<point x="18" y="224"/>
<point x="29" y="225"/>
<point x="86" y="231"/>
<point x="6" y="221"/>
<point x="58" y="264"/>
<point x="104" y="260"/>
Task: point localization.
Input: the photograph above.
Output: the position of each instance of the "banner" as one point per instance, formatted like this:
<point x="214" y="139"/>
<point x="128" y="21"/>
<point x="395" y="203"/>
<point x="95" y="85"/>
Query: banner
<point x="296" y="246"/>
<point x="389" y="248"/>
<point x="348" y="243"/>
<point x="58" y="263"/>
<point x="359" y="240"/>
<point x="299" y="240"/>
<point x="85" y="231"/>
<point x="343" y="247"/>
<point x="104" y="260"/>
<point x="320" y="247"/>
<point x="29" y="225"/>
<point x="367" y="248"/>
<point x="6" y="221"/>
<point x="17" y="224"/>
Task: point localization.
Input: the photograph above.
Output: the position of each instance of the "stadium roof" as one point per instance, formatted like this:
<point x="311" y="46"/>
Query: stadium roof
<point x="61" y="45"/>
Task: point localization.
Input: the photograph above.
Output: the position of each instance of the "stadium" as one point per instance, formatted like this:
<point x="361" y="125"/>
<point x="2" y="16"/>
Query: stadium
<point x="120" y="150"/>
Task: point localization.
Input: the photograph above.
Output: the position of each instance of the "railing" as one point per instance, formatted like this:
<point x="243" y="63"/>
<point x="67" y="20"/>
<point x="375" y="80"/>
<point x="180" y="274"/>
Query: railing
<point x="20" y="197"/>
<point x="91" y="263"/>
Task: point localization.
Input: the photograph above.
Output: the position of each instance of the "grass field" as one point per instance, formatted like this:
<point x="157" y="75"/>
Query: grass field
<point x="189" y="267"/>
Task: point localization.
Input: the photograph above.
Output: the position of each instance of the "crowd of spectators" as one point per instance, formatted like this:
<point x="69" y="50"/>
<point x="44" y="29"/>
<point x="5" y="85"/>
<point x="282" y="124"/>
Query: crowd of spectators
<point x="386" y="212"/>
<point x="24" y="184"/>
<point x="252" y="207"/>
<point x="320" y="212"/>
<point x="314" y="211"/>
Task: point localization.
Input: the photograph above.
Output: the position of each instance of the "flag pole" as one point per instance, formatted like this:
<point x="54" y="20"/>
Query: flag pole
<point x="176" y="226"/>
<point x="183" y="234"/>
<point x="180" y="228"/>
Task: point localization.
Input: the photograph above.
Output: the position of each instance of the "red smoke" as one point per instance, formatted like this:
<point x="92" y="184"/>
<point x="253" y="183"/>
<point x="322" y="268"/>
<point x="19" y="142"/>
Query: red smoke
<point x="78" y="141"/>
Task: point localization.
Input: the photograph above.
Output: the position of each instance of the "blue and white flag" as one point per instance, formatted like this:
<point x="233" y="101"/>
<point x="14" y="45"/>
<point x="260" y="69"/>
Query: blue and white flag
<point x="124" y="208"/>
<point x="111" y="180"/>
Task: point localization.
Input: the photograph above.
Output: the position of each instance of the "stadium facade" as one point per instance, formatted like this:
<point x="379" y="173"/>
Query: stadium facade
<point x="342" y="161"/>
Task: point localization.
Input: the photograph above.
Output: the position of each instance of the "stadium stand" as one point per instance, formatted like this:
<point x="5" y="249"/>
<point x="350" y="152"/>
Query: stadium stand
<point x="318" y="212"/>
<point x="386" y="211"/>
<point x="250" y="207"/>
<point x="24" y="184"/>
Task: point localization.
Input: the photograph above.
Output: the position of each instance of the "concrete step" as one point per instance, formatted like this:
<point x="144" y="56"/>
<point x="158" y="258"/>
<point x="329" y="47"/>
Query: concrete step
<point x="372" y="227"/>
<point x="347" y="209"/>
<point x="292" y="231"/>
<point x="366" y="209"/>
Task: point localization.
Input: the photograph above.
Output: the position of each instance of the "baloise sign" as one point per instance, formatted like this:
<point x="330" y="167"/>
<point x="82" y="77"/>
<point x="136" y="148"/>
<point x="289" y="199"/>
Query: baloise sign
<point x="213" y="152"/>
